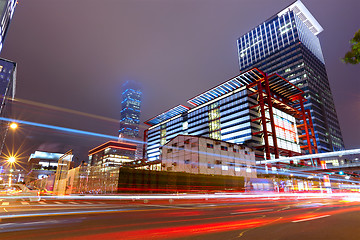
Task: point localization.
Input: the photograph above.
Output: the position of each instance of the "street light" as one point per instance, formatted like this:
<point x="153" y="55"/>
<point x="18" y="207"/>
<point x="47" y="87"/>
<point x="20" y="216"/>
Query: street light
<point x="11" y="160"/>
<point x="13" y="126"/>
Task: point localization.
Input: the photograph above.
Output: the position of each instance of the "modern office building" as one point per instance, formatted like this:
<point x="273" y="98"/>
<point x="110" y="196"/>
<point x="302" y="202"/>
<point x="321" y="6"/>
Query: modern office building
<point x="7" y="95"/>
<point x="287" y="44"/>
<point x="43" y="164"/>
<point x="130" y="110"/>
<point x="202" y="155"/>
<point x="253" y="108"/>
<point x="112" y="154"/>
<point x="7" y="8"/>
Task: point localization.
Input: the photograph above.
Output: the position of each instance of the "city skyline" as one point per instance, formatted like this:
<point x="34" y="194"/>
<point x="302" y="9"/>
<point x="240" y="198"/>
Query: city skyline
<point x="193" y="50"/>
<point x="183" y="119"/>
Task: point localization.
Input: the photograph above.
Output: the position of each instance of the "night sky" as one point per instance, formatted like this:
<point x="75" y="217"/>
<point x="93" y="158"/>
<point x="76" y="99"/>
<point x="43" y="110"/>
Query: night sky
<point x="74" y="55"/>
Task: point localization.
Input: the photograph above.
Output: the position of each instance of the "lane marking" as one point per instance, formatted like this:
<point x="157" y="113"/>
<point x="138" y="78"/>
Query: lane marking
<point x="5" y="203"/>
<point x="5" y="210"/>
<point x="313" y="218"/>
<point x="73" y="202"/>
<point x="42" y="202"/>
<point x="58" y="202"/>
<point x="25" y="203"/>
<point x="265" y="210"/>
<point x="167" y="206"/>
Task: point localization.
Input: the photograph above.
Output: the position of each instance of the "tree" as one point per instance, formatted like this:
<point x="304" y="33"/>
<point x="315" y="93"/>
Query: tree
<point x="353" y="56"/>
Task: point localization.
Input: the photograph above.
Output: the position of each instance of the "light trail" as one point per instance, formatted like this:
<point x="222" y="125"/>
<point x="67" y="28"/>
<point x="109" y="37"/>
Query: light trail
<point x="202" y="196"/>
<point x="61" y="213"/>
<point x="56" y="108"/>
<point x="309" y="219"/>
<point x="69" y="130"/>
<point x="66" y="110"/>
<point x="311" y="156"/>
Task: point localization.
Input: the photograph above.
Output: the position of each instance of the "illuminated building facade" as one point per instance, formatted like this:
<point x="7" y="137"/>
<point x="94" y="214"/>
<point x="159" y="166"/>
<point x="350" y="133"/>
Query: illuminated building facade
<point x="201" y="155"/>
<point x="259" y="110"/>
<point x="43" y="164"/>
<point x="287" y="44"/>
<point x="130" y="110"/>
<point x="112" y="154"/>
<point x="7" y="8"/>
<point x="7" y="94"/>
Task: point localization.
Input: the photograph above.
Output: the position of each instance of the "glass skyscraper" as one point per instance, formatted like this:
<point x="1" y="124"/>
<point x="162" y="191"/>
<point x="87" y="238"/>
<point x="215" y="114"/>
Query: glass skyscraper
<point x="7" y="94"/>
<point x="130" y="110"/>
<point x="7" y="70"/>
<point x="287" y="44"/>
<point x="7" y="8"/>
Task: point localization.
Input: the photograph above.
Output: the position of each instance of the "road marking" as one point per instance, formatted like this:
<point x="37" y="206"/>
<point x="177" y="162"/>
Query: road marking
<point x="168" y="206"/>
<point x="42" y="202"/>
<point x="265" y="210"/>
<point x="5" y="210"/>
<point x="5" y="203"/>
<point x="58" y="202"/>
<point x="308" y="219"/>
<point x="73" y="202"/>
<point x="87" y="202"/>
<point x="25" y="203"/>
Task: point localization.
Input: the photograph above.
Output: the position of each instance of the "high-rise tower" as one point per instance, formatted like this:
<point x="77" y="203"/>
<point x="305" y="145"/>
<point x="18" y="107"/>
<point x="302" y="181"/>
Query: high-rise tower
<point x="287" y="44"/>
<point x="7" y="70"/>
<point x="130" y="110"/>
<point x="7" y="8"/>
<point x="7" y="94"/>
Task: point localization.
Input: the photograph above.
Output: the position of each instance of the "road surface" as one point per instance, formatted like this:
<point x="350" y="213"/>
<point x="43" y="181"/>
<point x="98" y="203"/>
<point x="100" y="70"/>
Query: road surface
<point x="250" y="218"/>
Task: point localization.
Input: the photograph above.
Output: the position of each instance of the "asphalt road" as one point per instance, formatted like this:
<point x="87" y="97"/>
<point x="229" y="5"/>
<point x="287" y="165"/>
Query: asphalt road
<point x="260" y="218"/>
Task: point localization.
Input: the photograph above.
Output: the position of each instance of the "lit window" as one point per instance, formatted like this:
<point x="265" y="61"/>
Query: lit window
<point x="224" y="148"/>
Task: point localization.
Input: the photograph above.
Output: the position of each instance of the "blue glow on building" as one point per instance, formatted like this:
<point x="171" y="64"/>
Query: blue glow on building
<point x="130" y="110"/>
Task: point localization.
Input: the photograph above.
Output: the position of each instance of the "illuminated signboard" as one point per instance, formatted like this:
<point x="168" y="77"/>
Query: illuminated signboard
<point x="286" y="131"/>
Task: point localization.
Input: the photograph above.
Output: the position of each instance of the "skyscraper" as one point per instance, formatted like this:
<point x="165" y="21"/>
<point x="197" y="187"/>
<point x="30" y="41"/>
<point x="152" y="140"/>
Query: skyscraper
<point x="287" y="44"/>
<point x="7" y="94"/>
<point x="7" y="8"/>
<point x="130" y="110"/>
<point x="7" y="70"/>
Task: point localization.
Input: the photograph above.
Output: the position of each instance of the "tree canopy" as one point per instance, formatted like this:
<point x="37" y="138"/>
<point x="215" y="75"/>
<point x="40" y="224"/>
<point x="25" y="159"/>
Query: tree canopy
<point x="353" y="56"/>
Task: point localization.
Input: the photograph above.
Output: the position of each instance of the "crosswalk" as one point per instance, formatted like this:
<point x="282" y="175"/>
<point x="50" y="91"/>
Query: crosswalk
<point x="44" y="202"/>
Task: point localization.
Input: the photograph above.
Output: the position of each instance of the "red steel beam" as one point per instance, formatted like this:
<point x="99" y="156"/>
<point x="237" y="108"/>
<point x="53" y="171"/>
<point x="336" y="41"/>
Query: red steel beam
<point x="271" y="115"/>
